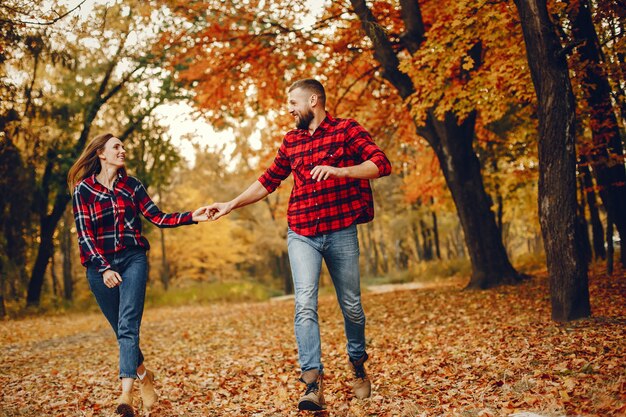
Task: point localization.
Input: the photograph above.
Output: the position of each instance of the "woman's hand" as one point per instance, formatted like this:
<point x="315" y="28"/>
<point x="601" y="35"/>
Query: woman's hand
<point x="200" y="215"/>
<point x="111" y="278"/>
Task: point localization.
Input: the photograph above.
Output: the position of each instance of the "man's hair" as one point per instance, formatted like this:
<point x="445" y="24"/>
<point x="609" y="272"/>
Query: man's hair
<point x="313" y="86"/>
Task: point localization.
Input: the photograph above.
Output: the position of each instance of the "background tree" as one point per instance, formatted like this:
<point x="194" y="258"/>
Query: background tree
<point x="605" y="154"/>
<point x="451" y="135"/>
<point x="557" y="162"/>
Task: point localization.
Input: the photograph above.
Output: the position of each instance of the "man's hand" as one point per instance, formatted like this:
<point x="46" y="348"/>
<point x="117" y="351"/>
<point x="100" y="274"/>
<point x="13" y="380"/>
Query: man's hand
<point x="217" y="210"/>
<point x="200" y="215"/>
<point x="111" y="278"/>
<point x="366" y="170"/>
<point x="323" y="172"/>
<point x="255" y="192"/>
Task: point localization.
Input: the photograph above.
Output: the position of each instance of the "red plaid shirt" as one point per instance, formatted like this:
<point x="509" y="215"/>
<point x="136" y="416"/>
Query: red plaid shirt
<point x="108" y="221"/>
<point x="326" y="206"/>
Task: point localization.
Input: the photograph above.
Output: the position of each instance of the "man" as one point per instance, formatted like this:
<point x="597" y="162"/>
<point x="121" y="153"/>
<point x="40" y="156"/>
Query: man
<point x="332" y="161"/>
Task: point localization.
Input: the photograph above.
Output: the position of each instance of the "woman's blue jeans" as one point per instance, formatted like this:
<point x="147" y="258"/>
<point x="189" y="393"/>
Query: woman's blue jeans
<point x="340" y="251"/>
<point x="123" y="305"/>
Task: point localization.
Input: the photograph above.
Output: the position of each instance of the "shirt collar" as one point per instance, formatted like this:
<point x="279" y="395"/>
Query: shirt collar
<point x="121" y="177"/>
<point x="326" y="123"/>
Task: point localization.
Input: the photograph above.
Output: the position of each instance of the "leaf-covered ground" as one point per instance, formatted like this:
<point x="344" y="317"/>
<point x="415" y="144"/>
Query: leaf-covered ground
<point x="434" y="352"/>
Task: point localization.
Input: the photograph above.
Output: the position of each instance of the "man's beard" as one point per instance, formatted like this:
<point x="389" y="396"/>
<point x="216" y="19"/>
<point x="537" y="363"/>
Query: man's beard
<point x="304" y="119"/>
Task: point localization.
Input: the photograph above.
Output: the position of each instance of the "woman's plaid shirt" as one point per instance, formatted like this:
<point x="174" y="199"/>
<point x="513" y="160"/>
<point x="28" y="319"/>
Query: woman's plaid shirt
<point x="108" y="221"/>
<point x="326" y="206"/>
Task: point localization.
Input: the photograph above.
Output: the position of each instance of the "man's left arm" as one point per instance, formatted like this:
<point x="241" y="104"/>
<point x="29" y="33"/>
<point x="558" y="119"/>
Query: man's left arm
<point x="375" y="163"/>
<point x="366" y="170"/>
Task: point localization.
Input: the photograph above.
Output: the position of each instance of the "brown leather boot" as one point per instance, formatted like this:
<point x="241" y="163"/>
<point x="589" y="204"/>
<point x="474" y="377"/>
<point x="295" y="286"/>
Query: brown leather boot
<point x="146" y="387"/>
<point x="361" y="386"/>
<point x="313" y="398"/>
<point x="125" y="405"/>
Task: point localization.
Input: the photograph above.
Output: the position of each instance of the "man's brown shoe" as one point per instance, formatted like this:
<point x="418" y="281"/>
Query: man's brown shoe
<point x="146" y="387"/>
<point x="125" y="405"/>
<point x="361" y="386"/>
<point x="313" y="398"/>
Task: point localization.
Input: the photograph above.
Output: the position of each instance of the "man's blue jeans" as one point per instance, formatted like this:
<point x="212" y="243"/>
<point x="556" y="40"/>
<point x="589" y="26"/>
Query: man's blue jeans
<point x="340" y="251"/>
<point x="123" y="305"/>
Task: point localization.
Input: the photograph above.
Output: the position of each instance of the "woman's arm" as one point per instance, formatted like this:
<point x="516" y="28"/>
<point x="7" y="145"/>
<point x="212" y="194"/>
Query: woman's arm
<point x="84" y="228"/>
<point x="155" y="216"/>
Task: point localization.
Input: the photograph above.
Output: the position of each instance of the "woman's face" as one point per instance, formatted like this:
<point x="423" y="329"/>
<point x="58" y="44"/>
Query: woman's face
<point x="113" y="153"/>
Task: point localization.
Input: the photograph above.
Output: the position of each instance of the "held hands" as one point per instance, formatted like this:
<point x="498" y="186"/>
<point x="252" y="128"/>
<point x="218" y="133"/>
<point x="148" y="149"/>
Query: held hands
<point x="217" y="210"/>
<point x="111" y="278"/>
<point x="323" y="172"/>
<point x="211" y="213"/>
<point x="200" y="215"/>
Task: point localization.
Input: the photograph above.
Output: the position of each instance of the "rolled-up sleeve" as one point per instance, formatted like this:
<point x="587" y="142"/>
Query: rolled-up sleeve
<point x="277" y="172"/>
<point x="361" y="145"/>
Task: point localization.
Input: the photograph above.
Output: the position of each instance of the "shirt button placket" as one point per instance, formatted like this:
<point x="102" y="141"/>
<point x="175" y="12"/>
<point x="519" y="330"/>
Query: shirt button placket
<point x="115" y="211"/>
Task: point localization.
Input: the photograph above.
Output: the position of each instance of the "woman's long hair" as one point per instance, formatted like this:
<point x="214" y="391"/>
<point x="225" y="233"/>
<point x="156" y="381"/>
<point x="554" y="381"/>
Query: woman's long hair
<point x="88" y="162"/>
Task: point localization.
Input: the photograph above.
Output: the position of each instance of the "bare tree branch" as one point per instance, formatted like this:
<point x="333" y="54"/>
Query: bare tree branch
<point x="48" y="23"/>
<point x="347" y="90"/>
<point x="383" y="50"/>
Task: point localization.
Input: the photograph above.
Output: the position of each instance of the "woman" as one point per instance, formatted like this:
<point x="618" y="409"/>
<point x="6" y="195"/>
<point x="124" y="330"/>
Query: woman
<point x="107" y="204"/>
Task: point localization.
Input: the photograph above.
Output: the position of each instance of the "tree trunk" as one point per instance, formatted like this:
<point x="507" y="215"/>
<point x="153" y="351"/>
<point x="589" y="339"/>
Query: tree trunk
<point x="416" y="240"/>
<point x="461" y="168"/>
<point x="616" y="28"/>
<point x="45" y="251"/>
<point x="3" y="310"/>
<point x="384" y="257"/>
<point x="499" y="213"/>
<point x="374" y="248"/>
<point x="584" y="245"/>
<point x="597" y="231"/>
<point x="609" y="245"/>
<point x="66" y="252"/>
<point x="53" y="276"/>
<point x="165" y="266"/>
<point x="47" y="224"/>
<point x="15" y="205"/>
<point x="459" y="246"/>
<point x="427" y="243"/>
<point x="364" y="241"/>
<point x="436" y="235"/>
<point x="499" y="199"/>
<point x="453" y="146"/>
<point x="607" y="155"/>
<point x="283" y="259"/>
<point x="569" y="289"/>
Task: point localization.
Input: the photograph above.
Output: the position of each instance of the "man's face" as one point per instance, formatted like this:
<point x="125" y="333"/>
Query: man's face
<point x="299" y="104"/>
